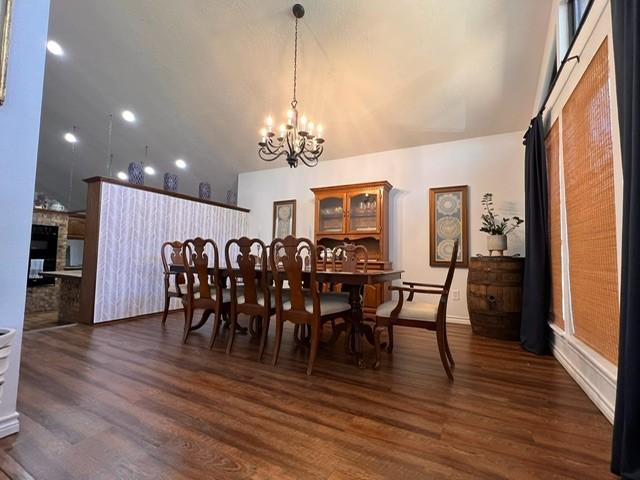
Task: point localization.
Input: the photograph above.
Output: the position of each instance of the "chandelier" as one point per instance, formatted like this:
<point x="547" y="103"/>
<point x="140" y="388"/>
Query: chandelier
<point x="298" y="139"/>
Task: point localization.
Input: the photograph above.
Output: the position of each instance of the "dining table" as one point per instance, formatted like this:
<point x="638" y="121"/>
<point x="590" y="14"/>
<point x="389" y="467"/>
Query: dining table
<point x="351" y="282"/>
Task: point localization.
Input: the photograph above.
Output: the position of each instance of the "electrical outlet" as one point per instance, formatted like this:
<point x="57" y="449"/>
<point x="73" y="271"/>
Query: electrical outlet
<point x="455" y="294"/>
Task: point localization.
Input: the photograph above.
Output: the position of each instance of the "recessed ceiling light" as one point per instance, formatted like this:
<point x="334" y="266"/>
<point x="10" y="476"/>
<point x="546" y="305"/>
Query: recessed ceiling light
<point x="128" y="115"/>
<point x="70" y="137"/>
<point x="180" y="163"/>
<point x="55" y="48"/>
<point x="149" y="170"/>
<point x="123" y="176"/>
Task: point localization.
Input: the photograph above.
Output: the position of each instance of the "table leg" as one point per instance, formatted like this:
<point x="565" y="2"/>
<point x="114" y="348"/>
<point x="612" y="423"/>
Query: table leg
<point x="337" y="330"/>
<point x="354" y="337"/>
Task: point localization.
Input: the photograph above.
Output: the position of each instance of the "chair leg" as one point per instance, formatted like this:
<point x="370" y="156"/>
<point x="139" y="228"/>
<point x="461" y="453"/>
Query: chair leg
<point x="165" y="312"/>
<point x="216" y="329"/>
<point x="276" y="347"/>
<point x="255" y="324"/>
<point x="390" y="332"/>
<point x="232" y="329"/>
<point x="188" y="320"/>
<point x="263" y="339"/>
<point x="376" y="336"/>
<point x="203" y="319"/>
<point x="443" y="354"/>
<point x="296" y="334"/>
<point x="447" y="349"/>
<point x="315" y="340"/>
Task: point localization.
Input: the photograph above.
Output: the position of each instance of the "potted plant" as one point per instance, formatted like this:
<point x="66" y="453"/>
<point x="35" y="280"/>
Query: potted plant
<point x="6" y="339"/>
<point x="497" y="227"/>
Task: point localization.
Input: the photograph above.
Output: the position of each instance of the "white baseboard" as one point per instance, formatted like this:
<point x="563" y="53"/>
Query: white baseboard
<point x="595" y="374"/>
<point x="9" y="425"/>
<point x="457" y="319"/>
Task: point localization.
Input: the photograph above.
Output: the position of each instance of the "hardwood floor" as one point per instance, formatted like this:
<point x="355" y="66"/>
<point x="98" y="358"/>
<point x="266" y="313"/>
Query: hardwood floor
<point x="40" y="320"/>
<point x="128" y="400"/>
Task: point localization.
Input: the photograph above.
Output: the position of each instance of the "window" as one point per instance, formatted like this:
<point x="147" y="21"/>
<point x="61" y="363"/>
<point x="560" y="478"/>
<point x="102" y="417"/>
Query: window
<point x="570" y="15"/>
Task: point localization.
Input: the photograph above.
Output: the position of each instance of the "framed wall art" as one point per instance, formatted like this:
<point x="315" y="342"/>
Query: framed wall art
<point x="284" y="218"/>
<point x="448" y="222"/>
<point x="5" y="28"/>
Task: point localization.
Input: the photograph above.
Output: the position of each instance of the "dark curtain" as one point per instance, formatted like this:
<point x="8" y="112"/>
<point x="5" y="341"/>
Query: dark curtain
<point x="534" y="330"/>
<point x="625" y="459"/>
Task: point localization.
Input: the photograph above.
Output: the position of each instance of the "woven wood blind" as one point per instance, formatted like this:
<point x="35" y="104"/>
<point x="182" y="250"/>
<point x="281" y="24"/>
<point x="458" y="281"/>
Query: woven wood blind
<point x="591" y="218"/>
<point x="552" y="145"/>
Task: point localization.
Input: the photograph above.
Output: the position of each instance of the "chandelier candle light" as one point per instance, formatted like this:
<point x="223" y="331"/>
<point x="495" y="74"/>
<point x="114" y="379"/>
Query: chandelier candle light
<point x="298" y="139"/>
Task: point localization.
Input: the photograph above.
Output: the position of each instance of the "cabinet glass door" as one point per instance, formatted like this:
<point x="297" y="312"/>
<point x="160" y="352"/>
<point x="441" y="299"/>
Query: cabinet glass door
<point x="363" y="212"/>
<point x="331" y="214"/>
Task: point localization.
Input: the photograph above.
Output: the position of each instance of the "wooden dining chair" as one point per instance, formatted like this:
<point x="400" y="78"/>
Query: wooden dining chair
<point x="418" y="314"/>
<point x="306" y="306"/>
<point x="250" y="292"/>
<point x="350" y="257"/>
<point x="175" y="284"/>
<point x="302" y="333"/>
<point x="204" y="286"/>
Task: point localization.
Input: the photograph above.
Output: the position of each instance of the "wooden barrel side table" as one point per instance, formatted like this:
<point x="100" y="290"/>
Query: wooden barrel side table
<point x="494" y="296"/>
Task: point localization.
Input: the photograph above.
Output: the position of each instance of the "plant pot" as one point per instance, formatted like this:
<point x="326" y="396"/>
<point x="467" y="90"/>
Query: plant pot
<point x="496" y="243"/>
<point x="6" y="341"/>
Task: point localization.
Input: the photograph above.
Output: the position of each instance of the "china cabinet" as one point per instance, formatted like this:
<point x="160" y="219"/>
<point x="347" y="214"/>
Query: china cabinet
<point x="357" y="213"/>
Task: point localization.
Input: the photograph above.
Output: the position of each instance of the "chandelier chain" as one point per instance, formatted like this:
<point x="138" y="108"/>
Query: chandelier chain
<point x="294" y="102"/>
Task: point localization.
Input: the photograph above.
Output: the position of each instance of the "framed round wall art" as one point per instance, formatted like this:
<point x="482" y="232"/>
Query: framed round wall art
<point x="448" y="222"/>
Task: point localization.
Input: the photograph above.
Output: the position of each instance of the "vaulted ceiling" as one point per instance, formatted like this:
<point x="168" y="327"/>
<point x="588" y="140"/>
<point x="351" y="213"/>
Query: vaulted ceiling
<point x="201" y="75"/>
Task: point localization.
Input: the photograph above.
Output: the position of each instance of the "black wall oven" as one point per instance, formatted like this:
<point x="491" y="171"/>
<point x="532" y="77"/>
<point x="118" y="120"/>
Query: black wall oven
<point x="42" y="254"/>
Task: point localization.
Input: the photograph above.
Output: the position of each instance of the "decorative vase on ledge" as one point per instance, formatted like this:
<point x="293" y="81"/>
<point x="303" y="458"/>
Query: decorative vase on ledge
<point x="170" y="182"/>
<point x="204" y="191"/>
<point x="496" y="243"/>
<point x="136" y="173"/>
<point x="6" y="340"/>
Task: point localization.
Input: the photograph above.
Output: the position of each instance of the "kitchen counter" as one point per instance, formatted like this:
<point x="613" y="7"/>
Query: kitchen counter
<point x="63" y="274"/>
<point x="68" y="295"/>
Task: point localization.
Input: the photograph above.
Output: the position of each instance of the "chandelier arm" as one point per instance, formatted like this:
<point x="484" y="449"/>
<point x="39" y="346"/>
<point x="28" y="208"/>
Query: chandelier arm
<point x="309" y="162"/>
<point x="310" y="155"/>
<point x="289" y="146"/>
<point x="268" y="156"/>
<point x="272" y="147"/>
<point x="267" y="149"/>
<point x="314" y="154"/>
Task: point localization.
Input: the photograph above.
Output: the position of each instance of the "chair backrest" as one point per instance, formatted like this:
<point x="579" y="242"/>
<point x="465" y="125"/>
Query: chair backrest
<point x="352" y="257"/>
<point x="247" y="260"/>
<point x="197" y="264"/>
<point x="175" y="258"/>
<point x="323" y="256"/>
<point x="287" y="261"/>
<point x="452" y="266"/>
<point x="442" y="307"/>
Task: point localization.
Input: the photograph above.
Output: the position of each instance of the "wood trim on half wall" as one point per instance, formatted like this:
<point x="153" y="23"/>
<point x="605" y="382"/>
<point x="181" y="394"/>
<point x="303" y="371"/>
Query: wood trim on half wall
<point x="191" y="198"/>
<point x="90" y="258"/>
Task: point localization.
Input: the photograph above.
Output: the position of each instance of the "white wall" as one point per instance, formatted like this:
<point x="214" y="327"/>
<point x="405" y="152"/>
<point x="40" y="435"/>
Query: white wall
<point x="19" y="132"/>
<point x="487" y="164"/>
